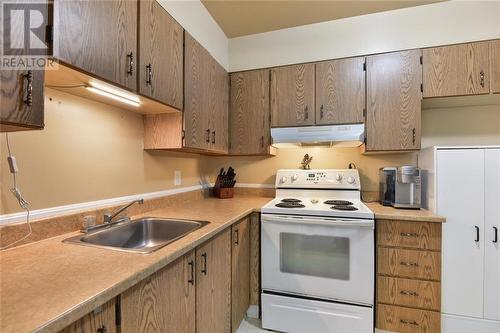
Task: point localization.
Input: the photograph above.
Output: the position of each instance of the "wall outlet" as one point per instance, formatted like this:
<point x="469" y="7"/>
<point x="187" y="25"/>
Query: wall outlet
<point x="177" y="178"/>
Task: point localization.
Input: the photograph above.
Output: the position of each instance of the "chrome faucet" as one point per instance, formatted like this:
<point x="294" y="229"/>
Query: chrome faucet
<point x="108" y="218"/>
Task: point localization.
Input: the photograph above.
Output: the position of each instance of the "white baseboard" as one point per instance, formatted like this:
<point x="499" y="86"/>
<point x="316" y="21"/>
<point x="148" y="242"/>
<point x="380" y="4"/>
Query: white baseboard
<point x="253" y="311"/>
<point x="460" y="324"/>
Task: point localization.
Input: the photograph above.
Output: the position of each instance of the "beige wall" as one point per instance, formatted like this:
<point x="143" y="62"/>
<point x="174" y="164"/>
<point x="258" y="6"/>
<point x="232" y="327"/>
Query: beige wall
<point x="88" y="151"/>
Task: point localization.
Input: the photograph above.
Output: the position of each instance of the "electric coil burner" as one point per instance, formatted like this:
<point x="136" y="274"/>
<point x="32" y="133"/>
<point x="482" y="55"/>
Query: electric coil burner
<point x="344" y="207"/>
<point x="290" y="200"/>
<point x="287" y="204"/>
<point x="338" y="202"/>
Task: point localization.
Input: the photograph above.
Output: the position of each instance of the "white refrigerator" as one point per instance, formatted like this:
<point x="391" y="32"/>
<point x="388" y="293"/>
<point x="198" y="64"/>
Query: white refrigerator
<point x="463" y="185"/>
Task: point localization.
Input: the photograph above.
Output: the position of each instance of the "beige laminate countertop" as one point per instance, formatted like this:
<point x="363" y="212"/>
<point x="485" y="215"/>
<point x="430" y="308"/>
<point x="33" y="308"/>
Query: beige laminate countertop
<point x="391" y="213"/>
<point x="49" y="284"/>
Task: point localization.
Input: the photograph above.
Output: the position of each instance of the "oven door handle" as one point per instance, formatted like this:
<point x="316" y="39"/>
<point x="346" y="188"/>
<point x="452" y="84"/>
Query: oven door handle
<point x="329" y="222"/>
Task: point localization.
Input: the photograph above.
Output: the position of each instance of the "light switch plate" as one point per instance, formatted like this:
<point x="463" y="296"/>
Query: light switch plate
<point x="177" y="178"/>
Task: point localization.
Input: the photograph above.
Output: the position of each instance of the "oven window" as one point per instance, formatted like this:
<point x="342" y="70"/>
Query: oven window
<point x="315" y="255"/>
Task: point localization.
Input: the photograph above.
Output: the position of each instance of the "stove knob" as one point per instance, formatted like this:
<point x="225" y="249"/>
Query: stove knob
<point x="295" y="177"/>
<point x="350" y="180"/>
<point x="338" y="177"/>
<point x="283" y="180"/>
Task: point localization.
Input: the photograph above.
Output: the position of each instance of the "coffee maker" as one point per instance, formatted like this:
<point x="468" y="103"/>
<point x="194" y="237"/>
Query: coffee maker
<point x="400" y="187"/>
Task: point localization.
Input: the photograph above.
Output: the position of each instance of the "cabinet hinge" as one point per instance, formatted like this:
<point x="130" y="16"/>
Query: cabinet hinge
<point x="49" y="33"/>
<point x="421" y="60"/>
<point x="364" y="66"/>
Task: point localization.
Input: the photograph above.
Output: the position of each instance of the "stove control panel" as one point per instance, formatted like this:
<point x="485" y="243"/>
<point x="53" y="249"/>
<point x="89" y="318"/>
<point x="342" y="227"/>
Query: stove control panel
<point x="320" y="178"/>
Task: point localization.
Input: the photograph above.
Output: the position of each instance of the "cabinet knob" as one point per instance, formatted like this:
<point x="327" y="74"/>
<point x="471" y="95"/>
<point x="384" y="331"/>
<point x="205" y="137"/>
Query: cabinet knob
<point x="29" y="88"/>
<point x="149" y="74"/>
<point x="130" y="57"/>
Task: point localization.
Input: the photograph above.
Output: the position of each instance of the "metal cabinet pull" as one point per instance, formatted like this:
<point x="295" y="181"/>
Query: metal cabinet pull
<point x="204" y="270"/>
<point x="102" y="329"/>
<point x="213" y="137"/>
<point x="237" y="237"/>
<point x="495" y="238"/>
<point x="481" y="78"/>
<point x="130" y="57"/>
<point x="207" y="138"/>
<point x="321" y="114"/>
<point x="408" y="293"/>
<point x="414" y="135"/>
<point x="149" y="74"/>
<point x="191" y="267"/>
<point x="477" y="233"/>
<point x="306" y="112"/>
<point x="29" y="88"/>
<point x="409" y="234"/>
<point x="408" y="264"/>
<point x="262" y="142"/>
<point x="408" y="322"/>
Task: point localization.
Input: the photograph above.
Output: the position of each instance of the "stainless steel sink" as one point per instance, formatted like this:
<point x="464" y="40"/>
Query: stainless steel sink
<point x="143" y="235"/>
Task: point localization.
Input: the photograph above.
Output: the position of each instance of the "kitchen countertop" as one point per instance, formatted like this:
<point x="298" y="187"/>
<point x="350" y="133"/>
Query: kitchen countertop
<point x="47" y="285"/>
<point x="390" y="213"/>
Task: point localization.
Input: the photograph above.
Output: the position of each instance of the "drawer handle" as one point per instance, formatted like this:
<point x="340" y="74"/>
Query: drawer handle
<point x="408" y="293"/>
<point x="408" y="322"/>
<point x="477" y="234"/>
<point x="191" y="268"/>
<point x="130" y="57"/>
<point x="204" y="270"/>
<point x="409" y="234"/>
<point x="408" y="264"/>
<point x="29" y="88"/>
<point x="481" y="78"/>
<point x="495" y="239"/>
<point x="149" y="74"/>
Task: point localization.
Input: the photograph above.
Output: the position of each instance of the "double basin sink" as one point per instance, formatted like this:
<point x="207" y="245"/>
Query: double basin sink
<point x="143" y="235"/>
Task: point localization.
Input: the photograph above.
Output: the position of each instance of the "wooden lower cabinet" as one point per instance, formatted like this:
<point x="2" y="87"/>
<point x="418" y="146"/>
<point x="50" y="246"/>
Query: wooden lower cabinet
<point x="408" y="287"/>
<point x="101" y="320"/>
<point x="240" y="272"/>
<point x="213" y="285"/>
<point x="163" y="302"/>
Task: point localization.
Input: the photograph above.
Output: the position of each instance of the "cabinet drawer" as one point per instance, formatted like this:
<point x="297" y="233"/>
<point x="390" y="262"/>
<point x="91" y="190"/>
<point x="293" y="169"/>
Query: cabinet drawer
<point x="419" y="235"/>
<point x="406" y="292"/>
<point x="416" y="264"/>
<point x="405" y="320"/>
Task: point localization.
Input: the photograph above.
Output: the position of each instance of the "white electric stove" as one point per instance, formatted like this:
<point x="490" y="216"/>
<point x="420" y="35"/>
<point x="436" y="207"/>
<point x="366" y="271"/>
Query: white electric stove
<point x="317" y="254"/>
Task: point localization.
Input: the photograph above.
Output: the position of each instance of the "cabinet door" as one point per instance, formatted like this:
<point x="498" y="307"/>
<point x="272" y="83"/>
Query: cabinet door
<point x="102" y="319"/>
<point x="213" y="285"/>
<point x="218" y="101"/>
<point x="462" y="244"/>
<point x="240" y="285"/>
<point x="163" y="302"/>
<point x="99" y="37"/>
<point x="292" y="95"/>
<point x="249" y="120"/>
<point x="393" y="99"/>
<point x="340" y="91"/>
<point x="161" y="54"/>
<point x="492" y="234"/>
<point x="197" y="64"/>
<point x="456" y="70"/>
<point x="495" y="66"/>
<point x="22" y="102"/>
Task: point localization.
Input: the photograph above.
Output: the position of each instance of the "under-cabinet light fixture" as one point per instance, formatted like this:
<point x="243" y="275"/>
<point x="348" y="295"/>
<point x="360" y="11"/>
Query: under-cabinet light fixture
<point x="114" y="93"/>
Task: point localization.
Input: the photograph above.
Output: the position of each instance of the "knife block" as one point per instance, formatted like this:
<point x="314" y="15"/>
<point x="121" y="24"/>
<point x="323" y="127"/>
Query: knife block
<point x="223" y="192"/>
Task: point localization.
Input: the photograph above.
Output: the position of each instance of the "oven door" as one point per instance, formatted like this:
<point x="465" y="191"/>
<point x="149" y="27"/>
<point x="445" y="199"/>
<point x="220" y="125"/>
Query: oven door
<point x="319" y="257"/>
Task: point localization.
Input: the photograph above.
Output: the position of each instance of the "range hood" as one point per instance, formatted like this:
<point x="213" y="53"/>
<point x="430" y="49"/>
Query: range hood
<point x="332" y="135"/>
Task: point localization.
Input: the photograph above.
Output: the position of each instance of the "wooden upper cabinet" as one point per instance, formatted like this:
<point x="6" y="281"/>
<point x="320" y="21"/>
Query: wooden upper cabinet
<point x="340" y="91"/>
<point x="495" y="66"/>
<point x="197" y="65"/>
<point x="102" y="319"/>
<point x="160" y="54"/>
<point x="213" y="285"/>
<point x="456" y="70"/>
<point x="163" y="302"/>
<point x="292" y="95"/>
<point x="218" y="102"/>
<point x="99" y="37"/>
<point x="240" y="275"/>
<point x="393" y="101"/>
<point x="249" y="120"/>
